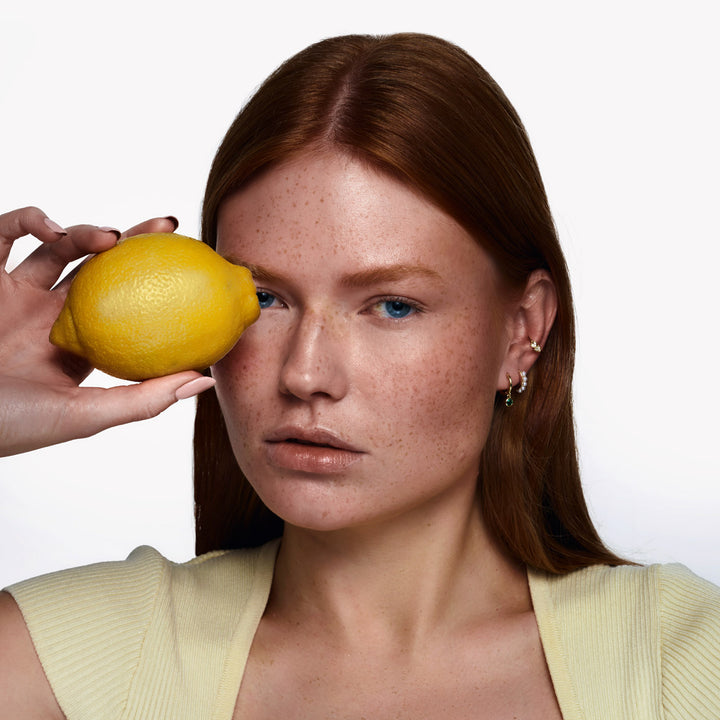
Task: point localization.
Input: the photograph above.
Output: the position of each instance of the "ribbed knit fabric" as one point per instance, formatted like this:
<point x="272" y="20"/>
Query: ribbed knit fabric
<point x="153" y="640"/>
<point x="631" y="642"/>
<point x="147" y="639"/>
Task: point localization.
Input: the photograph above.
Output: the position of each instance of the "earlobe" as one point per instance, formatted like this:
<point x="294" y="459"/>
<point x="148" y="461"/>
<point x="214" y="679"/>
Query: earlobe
<point x="532" y="321"/>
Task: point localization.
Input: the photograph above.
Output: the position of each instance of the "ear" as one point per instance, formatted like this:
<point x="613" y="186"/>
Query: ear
<point x="531" y="318"/>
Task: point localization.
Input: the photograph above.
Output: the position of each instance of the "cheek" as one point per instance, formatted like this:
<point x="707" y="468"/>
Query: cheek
<point x="242" y="377"/>
<point x="438" y="401"/>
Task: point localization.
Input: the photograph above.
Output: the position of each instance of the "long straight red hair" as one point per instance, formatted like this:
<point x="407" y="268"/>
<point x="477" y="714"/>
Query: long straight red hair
<point x="421" y="109"/>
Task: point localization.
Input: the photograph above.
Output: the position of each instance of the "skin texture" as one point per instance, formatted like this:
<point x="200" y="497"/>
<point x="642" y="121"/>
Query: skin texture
<point x="385" y="337"/>
<point x="413" y="395"/>
<point x="43" y="404"/>
<point x="24" y="689"/>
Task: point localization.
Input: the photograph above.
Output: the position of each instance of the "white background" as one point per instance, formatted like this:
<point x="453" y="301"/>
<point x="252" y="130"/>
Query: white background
<point x="112" y="115"/>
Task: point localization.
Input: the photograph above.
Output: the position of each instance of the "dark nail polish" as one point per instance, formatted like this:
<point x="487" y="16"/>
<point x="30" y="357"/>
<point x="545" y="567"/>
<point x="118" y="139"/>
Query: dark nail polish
<point x="115" y="232"/>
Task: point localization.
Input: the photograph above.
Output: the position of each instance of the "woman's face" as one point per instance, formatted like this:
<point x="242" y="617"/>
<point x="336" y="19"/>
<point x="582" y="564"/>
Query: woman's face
<point x="366" y="388"/>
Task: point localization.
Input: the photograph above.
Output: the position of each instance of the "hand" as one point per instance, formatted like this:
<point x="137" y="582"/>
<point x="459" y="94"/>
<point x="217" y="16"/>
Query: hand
<point x="41" y="402"/>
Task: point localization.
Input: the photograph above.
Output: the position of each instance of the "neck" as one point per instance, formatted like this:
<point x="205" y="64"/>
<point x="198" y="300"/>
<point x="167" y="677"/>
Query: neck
<point x="396" y="582"/>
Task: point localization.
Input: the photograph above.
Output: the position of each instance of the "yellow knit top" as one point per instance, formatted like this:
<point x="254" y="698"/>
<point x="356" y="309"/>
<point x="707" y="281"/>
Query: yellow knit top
<point x="148" y="639"/>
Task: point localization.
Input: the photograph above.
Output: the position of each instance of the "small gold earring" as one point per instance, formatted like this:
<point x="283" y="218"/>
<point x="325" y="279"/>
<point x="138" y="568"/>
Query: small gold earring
<point x="535" y="346"/>
<point x="508" y="392"/>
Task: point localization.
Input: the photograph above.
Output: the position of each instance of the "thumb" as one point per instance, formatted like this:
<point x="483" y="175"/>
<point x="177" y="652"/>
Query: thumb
<point x="105" y="408"/>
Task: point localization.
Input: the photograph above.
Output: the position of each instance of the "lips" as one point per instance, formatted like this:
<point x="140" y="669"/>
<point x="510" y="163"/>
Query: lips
<point x="310" y="436"/>
<point x="310" y="450"/>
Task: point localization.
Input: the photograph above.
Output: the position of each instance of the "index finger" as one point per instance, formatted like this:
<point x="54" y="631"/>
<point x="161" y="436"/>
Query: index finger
<point x="26" y="221"/>
<point x="46" y="264"/>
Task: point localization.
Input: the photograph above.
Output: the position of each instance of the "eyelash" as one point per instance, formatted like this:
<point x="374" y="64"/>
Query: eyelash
<point x="414" y="307"/>
<point x="267" y="295"/>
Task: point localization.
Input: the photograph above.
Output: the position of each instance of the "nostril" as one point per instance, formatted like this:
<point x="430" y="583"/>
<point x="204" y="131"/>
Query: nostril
<point x="315" y="364"/>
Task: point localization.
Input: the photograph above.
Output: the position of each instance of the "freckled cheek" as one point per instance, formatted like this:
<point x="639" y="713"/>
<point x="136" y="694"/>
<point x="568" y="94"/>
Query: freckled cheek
<point x="439" y="399"/>
<point x="245" y="359"/>
<point x="243" y="379"/>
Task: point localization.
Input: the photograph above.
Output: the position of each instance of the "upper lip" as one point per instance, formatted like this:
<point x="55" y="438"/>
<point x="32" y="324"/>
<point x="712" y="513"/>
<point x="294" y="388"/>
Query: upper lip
<point x="311" y="436"/>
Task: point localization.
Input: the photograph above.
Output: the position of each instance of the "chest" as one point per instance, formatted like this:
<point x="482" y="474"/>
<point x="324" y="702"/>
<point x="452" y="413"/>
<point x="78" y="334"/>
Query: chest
<point x="499" y="676"/>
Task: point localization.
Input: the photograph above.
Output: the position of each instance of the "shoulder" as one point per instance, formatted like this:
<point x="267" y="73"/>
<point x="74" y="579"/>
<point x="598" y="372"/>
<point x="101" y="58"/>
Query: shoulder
<point x="24" y="688"/>
<point x="92" y="627"/>
<point x="668" y="600"/>
<point x="689" y="620"/>
<point x="668" y="594"/>
<point x="639" y="586"/>
<point x="131" y="587"/>
<point x="652" y="629"/>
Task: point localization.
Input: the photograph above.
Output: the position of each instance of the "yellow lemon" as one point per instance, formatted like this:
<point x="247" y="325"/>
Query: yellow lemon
<point x="155" y="304"/>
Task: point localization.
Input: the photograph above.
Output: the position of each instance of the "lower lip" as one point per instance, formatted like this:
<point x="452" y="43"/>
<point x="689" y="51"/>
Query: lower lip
<point x="314" y="459"/>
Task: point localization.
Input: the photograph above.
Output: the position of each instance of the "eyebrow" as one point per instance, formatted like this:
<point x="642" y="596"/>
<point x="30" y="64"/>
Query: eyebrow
<point x="388" y="273"/>
<point x="258" y="271"/>
<point x="359" y="279"/>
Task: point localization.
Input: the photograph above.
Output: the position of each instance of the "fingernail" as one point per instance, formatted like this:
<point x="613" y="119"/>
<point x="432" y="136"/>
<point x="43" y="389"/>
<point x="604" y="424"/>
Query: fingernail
<point x="116" y="232"/>
<point x="55" y="227"/>
<point x="194" y="387"/>
<point x="174" y="221"/>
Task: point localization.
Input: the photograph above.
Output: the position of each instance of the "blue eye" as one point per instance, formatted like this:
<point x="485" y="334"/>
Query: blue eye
<point x="265" y="299"/>
<point x="396" y="309"/>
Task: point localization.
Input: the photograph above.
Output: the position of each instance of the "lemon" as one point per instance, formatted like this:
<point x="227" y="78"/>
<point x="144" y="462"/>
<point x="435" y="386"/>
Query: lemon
<point x="155" y="304"/>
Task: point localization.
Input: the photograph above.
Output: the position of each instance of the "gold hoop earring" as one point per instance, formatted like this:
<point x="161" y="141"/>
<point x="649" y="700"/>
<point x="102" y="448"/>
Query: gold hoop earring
<point x="535" y="346"/>
<point x="508" y="392"/>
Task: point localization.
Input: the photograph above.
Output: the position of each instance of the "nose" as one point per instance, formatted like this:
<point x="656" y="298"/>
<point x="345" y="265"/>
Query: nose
<point x="316" y="359"/>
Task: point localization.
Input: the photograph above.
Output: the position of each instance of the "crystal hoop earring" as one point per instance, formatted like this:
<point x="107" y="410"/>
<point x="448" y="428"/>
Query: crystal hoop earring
<point x="523" y="382"/>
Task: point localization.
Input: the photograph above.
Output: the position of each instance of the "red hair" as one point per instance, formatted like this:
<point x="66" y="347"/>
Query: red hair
<point x="422" y="110"/>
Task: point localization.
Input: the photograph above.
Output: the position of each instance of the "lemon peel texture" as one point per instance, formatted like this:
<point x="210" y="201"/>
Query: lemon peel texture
<point x="155" y="304"/>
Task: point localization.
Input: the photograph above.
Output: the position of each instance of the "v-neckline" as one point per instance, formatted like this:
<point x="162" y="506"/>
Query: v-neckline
<point x="249" y="622"/>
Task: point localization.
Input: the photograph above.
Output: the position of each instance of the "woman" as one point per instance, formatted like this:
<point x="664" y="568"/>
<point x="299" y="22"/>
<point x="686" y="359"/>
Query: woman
<point x="400" y="416"/>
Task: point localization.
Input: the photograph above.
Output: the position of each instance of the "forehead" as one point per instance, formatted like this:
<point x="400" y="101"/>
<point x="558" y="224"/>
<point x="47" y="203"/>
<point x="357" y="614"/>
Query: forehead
<point x="330" y="208"/>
